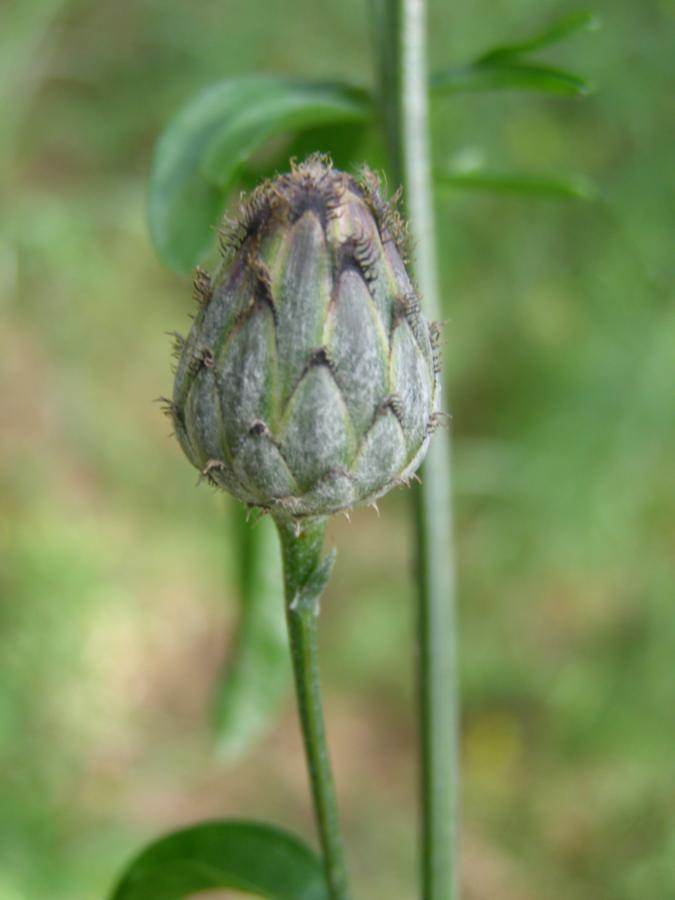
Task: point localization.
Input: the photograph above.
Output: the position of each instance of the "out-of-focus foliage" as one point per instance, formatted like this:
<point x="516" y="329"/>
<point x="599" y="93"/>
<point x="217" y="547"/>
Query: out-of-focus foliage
<point x="117" y="580"/>
<point x="257" y="675"/>
<point x="202" y="151"/>
<point x="237" y="855"/>
<point x="510" y="66"/>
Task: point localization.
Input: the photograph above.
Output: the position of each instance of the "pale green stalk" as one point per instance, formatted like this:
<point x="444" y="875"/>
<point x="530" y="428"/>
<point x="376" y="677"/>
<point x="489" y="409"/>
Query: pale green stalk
<point x="305" y="575"/>
<point x="400" y="33"/>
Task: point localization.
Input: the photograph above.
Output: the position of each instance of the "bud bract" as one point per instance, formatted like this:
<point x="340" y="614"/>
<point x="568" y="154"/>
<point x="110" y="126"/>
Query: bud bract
<point x="309" y="381"/>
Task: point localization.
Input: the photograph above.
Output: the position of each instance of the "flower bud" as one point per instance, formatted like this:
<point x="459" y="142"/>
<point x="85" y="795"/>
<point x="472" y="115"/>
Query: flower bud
<point x="309" y="381"/>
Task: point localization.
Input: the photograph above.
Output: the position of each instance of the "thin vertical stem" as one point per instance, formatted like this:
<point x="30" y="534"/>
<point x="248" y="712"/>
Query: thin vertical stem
<point x="400" y="32"/>
<point x="305" y="575"/>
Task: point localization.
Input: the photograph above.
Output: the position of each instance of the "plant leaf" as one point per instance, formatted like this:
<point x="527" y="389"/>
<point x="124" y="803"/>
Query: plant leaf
<point x="553" y="34"/>
<point x="308" y="598"/>
<point x="501" y="76"/>
<point x="501" y="68"/>
<point x="520" y="183"/>
<point x="282" y="106"/>
<point x="247" y="856"/>
<point x="199" y="153"/>
<point x="258" y="675"/>
<point x="346" y="143"/>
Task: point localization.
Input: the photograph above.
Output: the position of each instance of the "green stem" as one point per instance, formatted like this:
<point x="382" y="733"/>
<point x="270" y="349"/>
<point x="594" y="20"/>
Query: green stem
<point x="400" y="28"/>
<point x="305" y="576"/>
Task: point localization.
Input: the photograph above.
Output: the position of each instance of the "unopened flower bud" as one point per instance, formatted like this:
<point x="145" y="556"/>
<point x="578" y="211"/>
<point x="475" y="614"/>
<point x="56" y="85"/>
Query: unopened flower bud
<point x="309" y="381"/>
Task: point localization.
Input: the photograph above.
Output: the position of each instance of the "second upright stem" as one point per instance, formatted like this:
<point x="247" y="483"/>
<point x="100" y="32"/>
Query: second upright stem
<point x="400" y="34"/>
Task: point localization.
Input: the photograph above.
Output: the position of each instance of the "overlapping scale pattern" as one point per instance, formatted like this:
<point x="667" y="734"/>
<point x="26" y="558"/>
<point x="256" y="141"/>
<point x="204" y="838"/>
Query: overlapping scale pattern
<point x="309" y="380"/>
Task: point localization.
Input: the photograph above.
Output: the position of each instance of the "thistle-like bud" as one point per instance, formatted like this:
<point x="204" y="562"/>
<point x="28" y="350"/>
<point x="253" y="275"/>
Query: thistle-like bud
<point x="309" y="381"/>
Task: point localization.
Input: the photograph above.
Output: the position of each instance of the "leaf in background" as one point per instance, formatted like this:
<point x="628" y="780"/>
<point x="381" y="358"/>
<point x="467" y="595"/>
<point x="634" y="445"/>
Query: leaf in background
<point x="281" y="106"/>
<point x="258" y="676"/>
<point x="199" y="154"/>
<point x="504" y="76"/>
<point x="575" y="186"/>
<point x="502" y="68"/>
<point x="347" y="144"/>
<point x="558" y="31"/>
<point x="246" y="856"/>
<point x="26" y="40"/>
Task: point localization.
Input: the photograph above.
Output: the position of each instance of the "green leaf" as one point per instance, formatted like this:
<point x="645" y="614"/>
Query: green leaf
<point x="282" y="106"/>
<point x="505" y="76"/>
<point x="246" y="856"/>
<point x="553" y="34"/>
<point x="27" y="33"/>
<point x="258" y="675"/>
<point x="501" y="68"/>
<point x="346" y="143"/>
<point x="308" y="596"/>
<point x="520" y="183"/>
<point x="200" y="152"/>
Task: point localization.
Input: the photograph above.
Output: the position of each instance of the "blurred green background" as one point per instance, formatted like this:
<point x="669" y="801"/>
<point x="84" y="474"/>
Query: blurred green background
<point x="117" y="576"/>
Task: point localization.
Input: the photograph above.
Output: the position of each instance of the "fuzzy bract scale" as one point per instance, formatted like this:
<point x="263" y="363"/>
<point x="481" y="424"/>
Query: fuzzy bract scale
<point x="309" y="380"/>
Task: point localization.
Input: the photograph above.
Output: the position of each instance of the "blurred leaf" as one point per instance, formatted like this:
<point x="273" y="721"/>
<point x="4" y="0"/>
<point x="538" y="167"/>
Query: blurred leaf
<point x="258" y="859"/>
<point x="257" y="677"/>
<point x="278" y="106"/>
<point x="347" y="144"/>
<point x="502" y="69"/>
<point x="509" y="75"/>
<point x="26" y="39"/>
<point x="198" y="155"/>
<point x="520" y="183"/>
<point x="558" y="31"/>
<point x="344" y="142"/>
